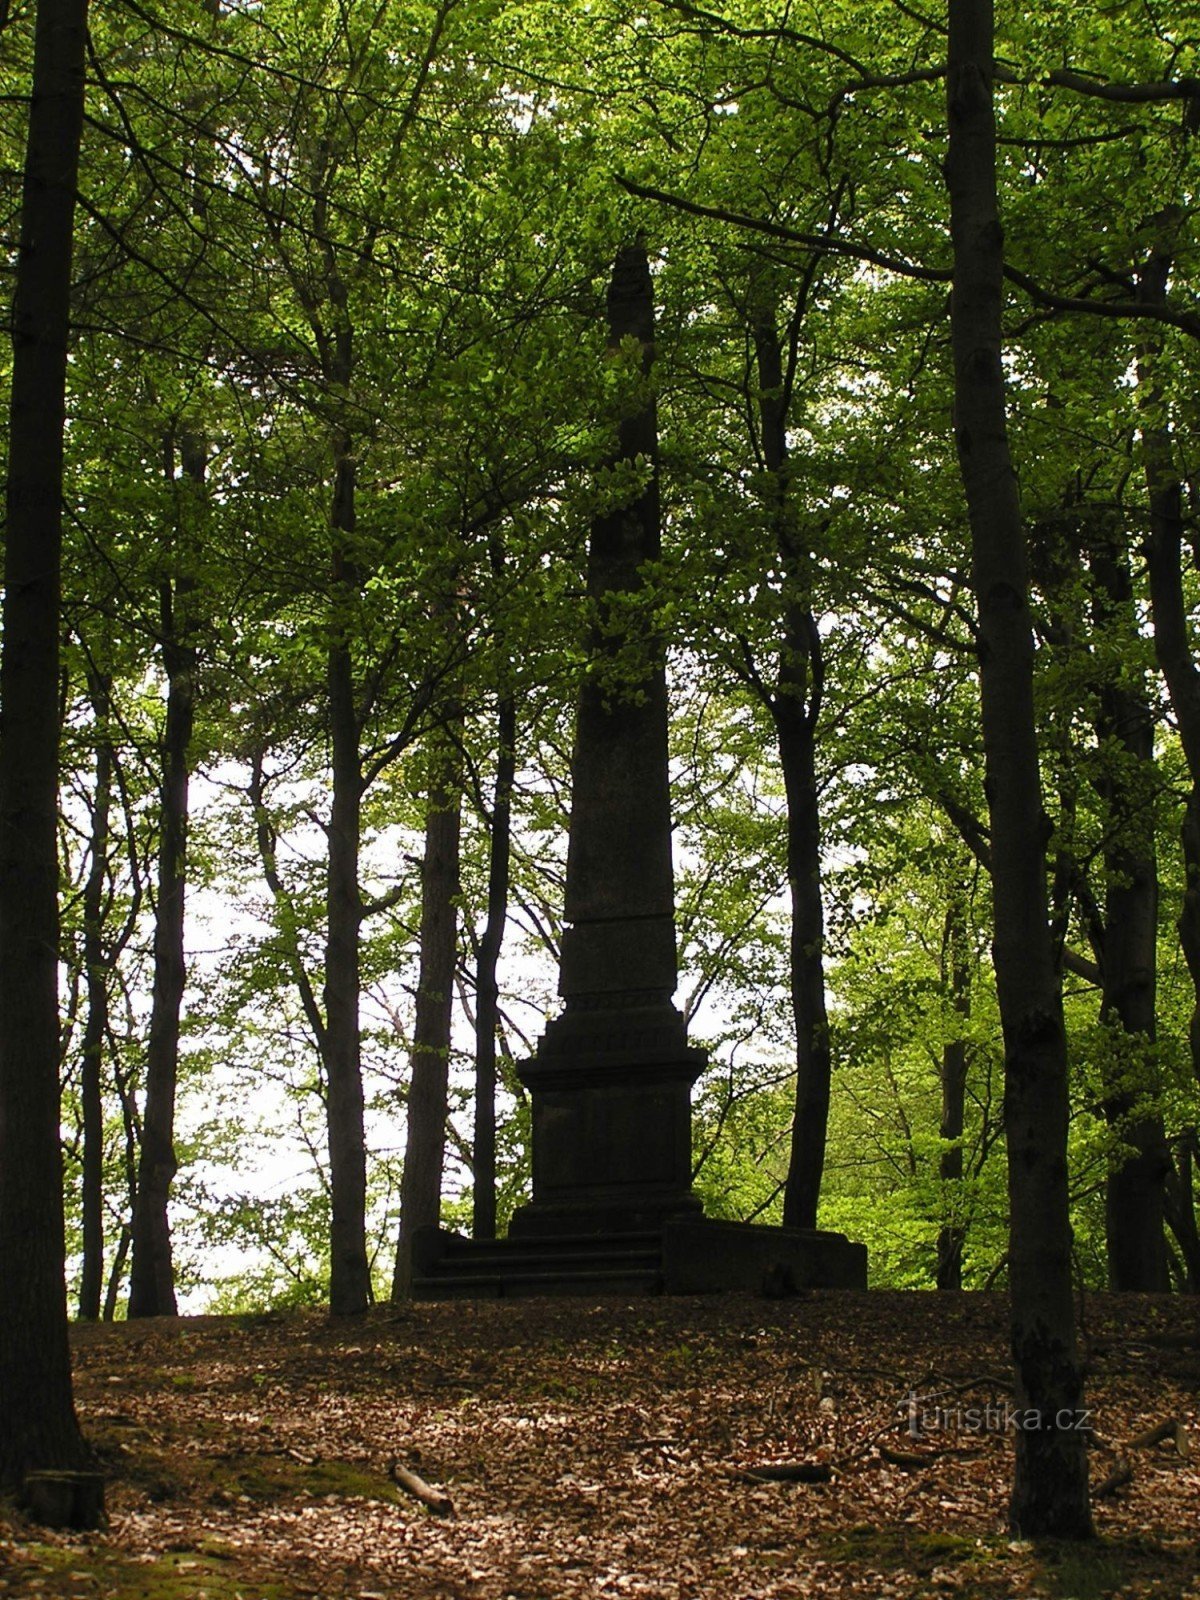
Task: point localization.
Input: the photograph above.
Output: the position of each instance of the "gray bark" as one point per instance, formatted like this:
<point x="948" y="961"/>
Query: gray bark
<point x="487" y="992"/>
<point x="1050" y="1482"/>
<point x="349" y="1269"/>
<point x="152" y="1271"/>
<point x="795" y="706"/>
<point x="956" y="978"/>
<point x="1137" y="1254"/>
<point x="425" y="1148"/>
<point x="95" y="1029"/>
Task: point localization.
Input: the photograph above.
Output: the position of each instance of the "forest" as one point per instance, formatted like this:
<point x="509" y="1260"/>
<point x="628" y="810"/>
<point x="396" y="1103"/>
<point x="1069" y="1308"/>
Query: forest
<point x="310" y="412"/>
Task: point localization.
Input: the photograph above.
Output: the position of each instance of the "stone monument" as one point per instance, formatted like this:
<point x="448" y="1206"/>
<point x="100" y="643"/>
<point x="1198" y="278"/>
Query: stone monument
<point x="610" y="1084"/>
<point x="611" y="1081"/>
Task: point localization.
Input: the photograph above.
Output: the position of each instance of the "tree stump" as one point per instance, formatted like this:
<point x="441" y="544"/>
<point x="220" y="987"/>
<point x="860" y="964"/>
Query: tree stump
<point x="65" y="1499"/>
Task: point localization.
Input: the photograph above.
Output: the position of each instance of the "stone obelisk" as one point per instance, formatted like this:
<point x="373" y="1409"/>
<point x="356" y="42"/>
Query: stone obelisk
<point x="611" y="1082"/>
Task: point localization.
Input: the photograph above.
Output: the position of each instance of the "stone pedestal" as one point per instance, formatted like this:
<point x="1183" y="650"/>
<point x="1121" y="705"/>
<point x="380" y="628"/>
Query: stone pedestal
<point x="611" y="1097"/>
<point x="703" y="1256"/>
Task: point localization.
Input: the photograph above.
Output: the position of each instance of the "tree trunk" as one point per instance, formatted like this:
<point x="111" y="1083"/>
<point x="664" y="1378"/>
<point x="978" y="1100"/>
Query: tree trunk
<point x="349" y="1268"/>
<point x="956" y="977"/>
<point x="132" y="1136"/>
<point x="795" y="707"/>
<point x="112" y="1293"/>
<point x="1168" y="604"/>
<point x="40" y="1429"/>
<point x="1137" y="1254"/>
<point x="487" y="991"/>
<point x="1050" y="1484"/>
<point x="1180" y="1207"/>
<point x="152" y="1271"/>
<point x="795" y="732"/>
<point x="1173" y="652"/>
<point x="1189" y="914"/>
<point x="95" y="1031"/>
<point x="424" y="1153"/>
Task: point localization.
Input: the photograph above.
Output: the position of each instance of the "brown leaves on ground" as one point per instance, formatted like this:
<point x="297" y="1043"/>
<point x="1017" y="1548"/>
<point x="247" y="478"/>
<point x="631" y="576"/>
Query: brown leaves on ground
<point x="613" y="1449"/>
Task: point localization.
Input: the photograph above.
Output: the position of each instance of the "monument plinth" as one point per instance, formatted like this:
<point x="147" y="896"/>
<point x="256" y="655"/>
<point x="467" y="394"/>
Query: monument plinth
<point x="610" y="1084"/>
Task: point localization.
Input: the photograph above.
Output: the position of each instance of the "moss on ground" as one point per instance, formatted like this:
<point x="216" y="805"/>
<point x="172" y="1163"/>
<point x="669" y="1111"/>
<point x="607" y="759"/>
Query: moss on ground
<point x="153" y="1467"/>
<point x="270" y="1478"/>
<point x="207" y="1574"/>
<point x="914" y="1549"/>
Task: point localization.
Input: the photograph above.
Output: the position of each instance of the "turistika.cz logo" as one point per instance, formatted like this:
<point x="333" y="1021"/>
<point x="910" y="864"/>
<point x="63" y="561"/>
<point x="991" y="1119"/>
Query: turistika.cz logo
<point x="924" y="1415"/>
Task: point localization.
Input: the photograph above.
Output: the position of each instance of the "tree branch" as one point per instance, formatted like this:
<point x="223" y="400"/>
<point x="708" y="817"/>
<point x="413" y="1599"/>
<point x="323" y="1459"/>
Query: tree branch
<point x="1126" y="93"/>
<point x="1189" y="321"/>
<point x="778" y="230"/>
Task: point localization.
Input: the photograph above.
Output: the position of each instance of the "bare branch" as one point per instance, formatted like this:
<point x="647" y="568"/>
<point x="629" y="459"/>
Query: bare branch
<point x="777" y="230"/>
<point x="1126" y="93"/>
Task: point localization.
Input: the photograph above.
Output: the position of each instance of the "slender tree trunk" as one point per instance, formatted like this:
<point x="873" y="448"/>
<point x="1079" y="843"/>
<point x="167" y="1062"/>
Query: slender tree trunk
<point x="39" y="1428"/>
<point x="95" y="1029"/>
<point x="1168" y="604"/>
<point x="425" y="1148"/>
<point x="112" y="1293"/>
<point x="1050" y="1485"/>
<point x="1180" y="1207"/>
<point x="1189" y="914"/>
<point x="795" y="707"/>
<point x="956" y="976"/>
<point x="1137" y="1254"/>
<point x="1173" y="652"/>
<point x="152" y="1272"/>
<point x="795" y="731"/>
<point x="487" y="990"/>
<point x="350" y="1274"/>
<point x="1123" y="927"/>
<point x="132" y="1142"/>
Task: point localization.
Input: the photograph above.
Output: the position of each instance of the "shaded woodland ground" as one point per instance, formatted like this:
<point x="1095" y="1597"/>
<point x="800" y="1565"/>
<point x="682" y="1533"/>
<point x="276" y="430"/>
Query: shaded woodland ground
<point x="602" y="1450"/>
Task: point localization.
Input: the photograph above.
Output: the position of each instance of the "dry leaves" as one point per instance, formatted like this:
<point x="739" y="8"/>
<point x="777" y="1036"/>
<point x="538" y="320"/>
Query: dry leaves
<point x="721" y="1448"/>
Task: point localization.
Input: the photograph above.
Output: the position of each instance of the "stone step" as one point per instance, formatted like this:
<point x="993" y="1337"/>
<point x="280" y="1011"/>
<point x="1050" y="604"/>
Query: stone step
<point x="450" y="1266"/>
<point x="463" y="1263"/>
<point x="556" y="1243"/>
<point x="689" y="1255"/>
<point x="451" y="1284"/>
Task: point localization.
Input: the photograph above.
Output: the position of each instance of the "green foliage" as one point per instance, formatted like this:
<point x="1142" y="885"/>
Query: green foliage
<point x="380" y="235"/>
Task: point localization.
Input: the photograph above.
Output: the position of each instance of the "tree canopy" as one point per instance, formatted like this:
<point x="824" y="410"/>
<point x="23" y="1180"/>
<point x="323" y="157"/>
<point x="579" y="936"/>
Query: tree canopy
<point x="338" y="417"/>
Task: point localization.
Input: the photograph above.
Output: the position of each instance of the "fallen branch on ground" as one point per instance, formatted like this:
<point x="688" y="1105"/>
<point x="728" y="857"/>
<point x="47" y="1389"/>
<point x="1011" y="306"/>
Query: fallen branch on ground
<point x="1170" y="1429"/>
<point x="909" y="1458"/>
<point x="788" y="1472"/>
<point x="1122" y="1473"/>
<point x="437" y="1500"/>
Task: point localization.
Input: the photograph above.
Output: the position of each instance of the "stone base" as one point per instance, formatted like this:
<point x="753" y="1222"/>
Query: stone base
<point x="704" y="1256"/>
<point x="684" y="1255"/>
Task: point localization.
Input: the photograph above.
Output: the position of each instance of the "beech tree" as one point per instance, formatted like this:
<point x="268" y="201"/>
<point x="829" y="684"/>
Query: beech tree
<point x="1050" y="1485"/>
<point x="152" y="1278"/>
<point x="40" y="1427"/>
<point x="359" y="254"/>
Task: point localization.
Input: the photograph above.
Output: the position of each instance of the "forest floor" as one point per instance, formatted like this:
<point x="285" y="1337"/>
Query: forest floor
<point x="601" y="1450"/>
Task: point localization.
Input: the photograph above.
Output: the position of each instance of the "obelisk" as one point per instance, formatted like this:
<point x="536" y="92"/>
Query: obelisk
<point x="611" y="1082"/>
